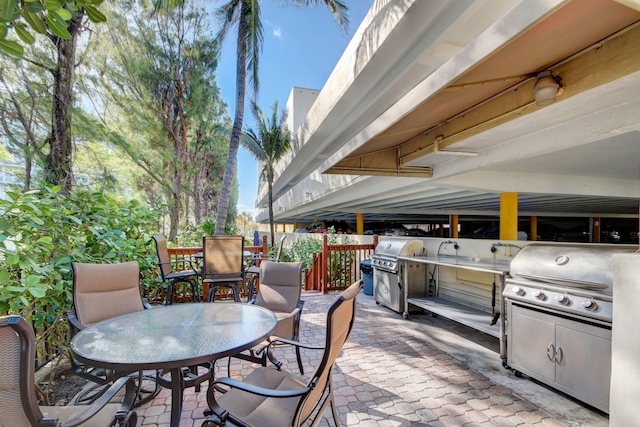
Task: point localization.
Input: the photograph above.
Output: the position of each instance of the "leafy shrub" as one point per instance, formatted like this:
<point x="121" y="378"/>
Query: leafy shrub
<point x="43" y="231"/>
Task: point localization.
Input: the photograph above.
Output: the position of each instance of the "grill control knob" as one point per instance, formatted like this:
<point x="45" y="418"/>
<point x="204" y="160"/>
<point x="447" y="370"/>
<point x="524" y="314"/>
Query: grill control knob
<point x="590" y="305"/>
<point x="539" y="294"/>
<point x="518" y="290"/>
<point x="562" y="299"/>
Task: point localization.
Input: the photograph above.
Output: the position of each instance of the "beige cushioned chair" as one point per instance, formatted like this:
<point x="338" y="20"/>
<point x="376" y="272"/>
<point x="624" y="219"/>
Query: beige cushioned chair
<point x="223" y="264"/>
<point x="173" y="276"/>
<point x="280" y="289"/>
<point x="269" y="397"/>
<point x="18" y="402"/>
<point x="103" y="291"/>
<point x="253" y="271"/>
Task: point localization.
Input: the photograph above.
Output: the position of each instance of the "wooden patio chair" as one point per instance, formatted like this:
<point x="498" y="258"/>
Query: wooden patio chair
<point x="223" y="264"/>
<point x="103" y="291"/>
<point x="18" y="390"/>
<point x="280" y="290"/>
<point x="174" y="276"/>
<point x="269" y="397"/>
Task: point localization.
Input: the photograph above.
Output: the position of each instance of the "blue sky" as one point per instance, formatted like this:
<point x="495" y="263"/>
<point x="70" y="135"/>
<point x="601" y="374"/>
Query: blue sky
<point x="301" y="48"/>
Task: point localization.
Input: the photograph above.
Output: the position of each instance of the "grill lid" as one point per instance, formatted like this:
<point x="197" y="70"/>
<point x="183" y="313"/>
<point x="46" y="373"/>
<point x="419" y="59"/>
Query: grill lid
<point x="580" y="266"/>
<point x="393" y="248"/>
<point x="386" y="255"/>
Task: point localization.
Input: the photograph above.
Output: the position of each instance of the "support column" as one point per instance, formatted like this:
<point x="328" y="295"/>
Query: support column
<point x="509" y="216"/>
<point x="453" y="225"/>
<point x="597" y="226"/>
<point x="359" y="223"/>
<point x="533" y="228"/>
<point x="441" y="229"/>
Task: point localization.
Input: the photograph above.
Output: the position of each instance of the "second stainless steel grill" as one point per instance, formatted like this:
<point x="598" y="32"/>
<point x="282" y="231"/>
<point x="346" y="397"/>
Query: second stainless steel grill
<point x="559" y="305"/>
<point x="388" y="280"/>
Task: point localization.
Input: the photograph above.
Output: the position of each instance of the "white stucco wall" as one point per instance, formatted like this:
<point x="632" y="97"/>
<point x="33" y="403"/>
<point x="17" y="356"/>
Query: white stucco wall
<point x="625" y="346"/>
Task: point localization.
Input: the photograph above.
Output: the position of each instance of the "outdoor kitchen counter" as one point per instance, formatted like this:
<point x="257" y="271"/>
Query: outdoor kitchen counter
<point x="461" y="313"/>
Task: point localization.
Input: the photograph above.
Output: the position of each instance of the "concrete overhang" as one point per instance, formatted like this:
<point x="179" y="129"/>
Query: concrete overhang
<point x="463" y="82"/>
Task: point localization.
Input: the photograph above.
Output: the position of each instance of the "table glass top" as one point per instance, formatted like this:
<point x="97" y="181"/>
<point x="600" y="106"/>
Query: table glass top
<point x="175" y="333"/>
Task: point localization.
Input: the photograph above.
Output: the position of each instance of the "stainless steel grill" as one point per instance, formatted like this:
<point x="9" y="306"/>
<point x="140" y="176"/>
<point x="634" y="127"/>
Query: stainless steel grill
<point x="387" y="275"/>
<point x="559" y="302"/>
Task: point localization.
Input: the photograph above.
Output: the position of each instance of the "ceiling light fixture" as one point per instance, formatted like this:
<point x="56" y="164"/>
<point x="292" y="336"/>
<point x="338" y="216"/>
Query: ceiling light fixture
<point x="546" y="88"/>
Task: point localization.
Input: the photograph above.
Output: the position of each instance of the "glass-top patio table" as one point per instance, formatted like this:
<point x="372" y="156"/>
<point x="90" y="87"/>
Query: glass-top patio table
<point x="172" y="337"/>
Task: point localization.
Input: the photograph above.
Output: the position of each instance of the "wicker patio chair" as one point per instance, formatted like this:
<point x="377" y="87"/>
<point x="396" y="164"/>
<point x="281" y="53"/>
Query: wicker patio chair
<point x="223" y="264"/>
<point x="253" y="271"/>
<point x="280" y="289"/>
<point x="18" y="391"/>
<point x="269" y="397"/>
<point x="103" y="291"/>
<point x="173" y="276"/>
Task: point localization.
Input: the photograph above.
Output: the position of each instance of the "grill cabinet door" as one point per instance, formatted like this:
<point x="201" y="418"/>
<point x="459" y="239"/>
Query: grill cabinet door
<point x="586" y="364"/>
<point x="529" y="340"/>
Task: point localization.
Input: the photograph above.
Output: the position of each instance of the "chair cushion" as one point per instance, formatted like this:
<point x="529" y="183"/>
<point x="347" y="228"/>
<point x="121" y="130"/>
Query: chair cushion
<point x="67" y="413"/>
<point x="103" y="291"/>
<point x="261" y="410"/>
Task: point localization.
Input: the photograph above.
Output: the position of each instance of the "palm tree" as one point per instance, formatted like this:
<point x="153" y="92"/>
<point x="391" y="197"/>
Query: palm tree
<point x="267" y="145"/>
<point x="245" y="15"/>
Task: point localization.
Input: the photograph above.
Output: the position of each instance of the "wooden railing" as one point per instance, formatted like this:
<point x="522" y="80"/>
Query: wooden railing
<point x="333" y="269"/>
<point x="337" y="266"/>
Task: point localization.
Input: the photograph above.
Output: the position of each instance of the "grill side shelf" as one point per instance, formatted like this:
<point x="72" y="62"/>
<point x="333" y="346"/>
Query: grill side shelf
<point x="461" y="313"/>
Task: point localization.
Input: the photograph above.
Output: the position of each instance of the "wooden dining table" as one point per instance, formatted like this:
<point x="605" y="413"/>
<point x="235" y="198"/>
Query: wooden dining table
<point x="172" y="337"/>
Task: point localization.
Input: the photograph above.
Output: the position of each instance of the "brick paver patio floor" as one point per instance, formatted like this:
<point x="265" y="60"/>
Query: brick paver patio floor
<point x="391" y="373"/>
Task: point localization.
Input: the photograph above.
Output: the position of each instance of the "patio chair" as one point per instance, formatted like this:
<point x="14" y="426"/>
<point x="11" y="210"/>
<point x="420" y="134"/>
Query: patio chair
<point x="253" y="271"/>
<point x="280" y="289"/>
<point x="18" y="390"/>
<point x="223" y="264"/>
<point x="173" y="277"/>
<point x="269" y="397"/>
<point x="103" y="291"/>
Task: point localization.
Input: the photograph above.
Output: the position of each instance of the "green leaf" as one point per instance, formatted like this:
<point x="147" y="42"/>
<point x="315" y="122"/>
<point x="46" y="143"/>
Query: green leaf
<point x="4" y="307"/>
<point x="32" y="280"/>
<point x="12" y="259"/>
<point x="34" y="21"/>
<point x="38" y="292"/>
<point x="7" y="7"/>
<point x="110" y="255"/>
<point x="4" y="277"/>
<point x="64" y="260"/>
<point x="3" y="30"/>
<point x="34" y="7"/>
<point x="94" y="14"/>
<point x="45" y="239"/>
<point x="14" y="288"/>
<point x="24" y="35"/>
<point x="11" y="47"/>
<point x="58" y="28"/>
<point x="52" y="5"/>
<point x="63" y="13"/>
<point x="74" y="219"/>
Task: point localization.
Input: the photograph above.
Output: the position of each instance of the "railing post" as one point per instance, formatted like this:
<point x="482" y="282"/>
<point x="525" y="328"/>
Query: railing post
<point x="324" y="264"/>
<point x="265" y="249"/>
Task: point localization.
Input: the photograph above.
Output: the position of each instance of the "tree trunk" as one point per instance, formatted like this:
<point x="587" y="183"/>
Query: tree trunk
<point x="59" y="162"/>
<point x="231" y="167"/>
<point x="271" y="224"/>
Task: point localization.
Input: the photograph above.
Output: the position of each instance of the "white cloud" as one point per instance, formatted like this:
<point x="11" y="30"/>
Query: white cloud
<point x="277" y="32"/>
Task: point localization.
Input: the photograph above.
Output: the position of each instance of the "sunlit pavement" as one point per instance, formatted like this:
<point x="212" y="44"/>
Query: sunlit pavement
<point x="423" y="371"/>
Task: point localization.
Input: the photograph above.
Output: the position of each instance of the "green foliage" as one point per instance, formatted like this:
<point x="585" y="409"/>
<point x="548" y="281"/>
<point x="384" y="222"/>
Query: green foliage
<point x="43" y="231"/>
<point x="43" y="17"/>
<point x="302" y="250"/>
